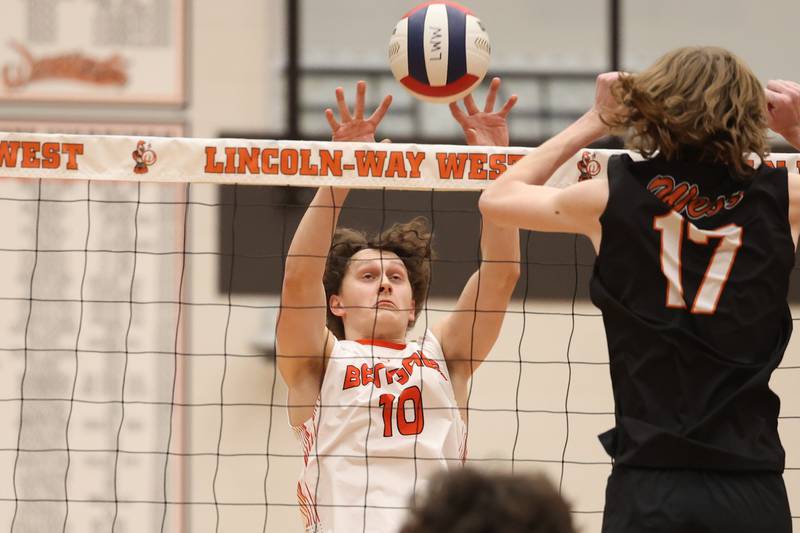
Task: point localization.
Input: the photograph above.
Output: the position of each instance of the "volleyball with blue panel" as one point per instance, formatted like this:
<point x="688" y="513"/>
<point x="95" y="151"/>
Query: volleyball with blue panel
<point x="439" y="51"/>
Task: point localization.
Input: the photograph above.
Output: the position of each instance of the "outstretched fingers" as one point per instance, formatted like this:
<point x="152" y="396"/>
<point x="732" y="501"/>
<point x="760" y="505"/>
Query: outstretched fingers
<point x="782" y="93"/>
<point x="469" y="103"/>
<point x="492" y="95"/>
<point x="459" y="115"/>
<point x="344" y="112"/>
<point x="331" y="119"/>
<point x="774" y="97"/>
<point x="506" y="109"/>
<point x="361" y="92"/>
<point x="783" y="86"/>
<point x="377" y="116"/>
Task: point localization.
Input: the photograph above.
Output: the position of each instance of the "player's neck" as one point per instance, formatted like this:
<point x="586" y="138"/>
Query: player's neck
<point x="373" y="333"/>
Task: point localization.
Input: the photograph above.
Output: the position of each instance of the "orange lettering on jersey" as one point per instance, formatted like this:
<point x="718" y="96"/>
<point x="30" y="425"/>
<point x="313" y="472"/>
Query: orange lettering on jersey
<point x="430" y="363"/>
<point x="366" y="375"/>
<point x="715" y="207"/>
<point x="351" y="377"/>
<point x="734" y="200"/>
<point x="402" y="375"/>
<point x="410" y="361"/>
<point x="685" y="197"/>
<point x="697" y="207"/>
<point x="377" y="374"/>
<point x="677" y="195"/>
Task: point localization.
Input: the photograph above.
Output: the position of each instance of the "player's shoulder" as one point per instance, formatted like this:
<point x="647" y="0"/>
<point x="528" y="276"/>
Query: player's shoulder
<point x="430" y="339"/>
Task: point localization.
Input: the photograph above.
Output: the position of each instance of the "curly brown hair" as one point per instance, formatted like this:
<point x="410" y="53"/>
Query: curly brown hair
<point x="411" y="241"/>
<point x="470" y="501"/>
<point x="699" y="103"/>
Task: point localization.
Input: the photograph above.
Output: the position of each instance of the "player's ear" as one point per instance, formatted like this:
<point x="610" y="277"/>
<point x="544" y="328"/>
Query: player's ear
<point x="335" y="305"/>
<point x="412" y="313"/>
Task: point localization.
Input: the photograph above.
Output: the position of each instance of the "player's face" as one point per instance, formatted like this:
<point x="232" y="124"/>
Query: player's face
<point x="375" y="299"/>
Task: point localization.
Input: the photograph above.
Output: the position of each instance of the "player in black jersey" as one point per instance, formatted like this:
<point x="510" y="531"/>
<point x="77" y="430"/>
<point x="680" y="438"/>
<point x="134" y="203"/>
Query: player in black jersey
<point x="694" y="251"/>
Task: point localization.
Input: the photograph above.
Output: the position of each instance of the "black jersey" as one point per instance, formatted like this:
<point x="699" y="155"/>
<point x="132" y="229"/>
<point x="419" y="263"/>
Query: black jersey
<point x="692" y="278"/>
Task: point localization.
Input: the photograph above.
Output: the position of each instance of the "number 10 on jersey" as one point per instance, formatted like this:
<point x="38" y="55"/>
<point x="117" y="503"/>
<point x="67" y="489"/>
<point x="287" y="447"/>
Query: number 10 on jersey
<point x="405" y="426"/>
<point x="671" y="226"/>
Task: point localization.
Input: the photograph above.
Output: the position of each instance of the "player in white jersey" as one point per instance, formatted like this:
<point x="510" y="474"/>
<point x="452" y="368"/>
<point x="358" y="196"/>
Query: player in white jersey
<point x="377" y="415"/>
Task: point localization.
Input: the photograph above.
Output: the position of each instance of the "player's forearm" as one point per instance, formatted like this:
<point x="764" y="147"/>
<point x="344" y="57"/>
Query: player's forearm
<point x="793" y="138"/>
<point x="312" y="240"/>
<point x="499" y="254"/>
<point x="538" y="166"/>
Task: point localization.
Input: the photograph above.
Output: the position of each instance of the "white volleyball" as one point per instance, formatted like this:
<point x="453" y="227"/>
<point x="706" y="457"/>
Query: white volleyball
<point x="439" y="51"/>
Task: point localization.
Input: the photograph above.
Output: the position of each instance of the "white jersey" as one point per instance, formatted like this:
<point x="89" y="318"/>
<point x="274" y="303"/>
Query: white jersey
<point x="385" y="421"/>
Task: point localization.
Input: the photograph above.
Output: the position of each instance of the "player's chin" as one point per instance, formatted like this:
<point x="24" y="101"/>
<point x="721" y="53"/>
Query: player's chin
<point x="390" y="318"/>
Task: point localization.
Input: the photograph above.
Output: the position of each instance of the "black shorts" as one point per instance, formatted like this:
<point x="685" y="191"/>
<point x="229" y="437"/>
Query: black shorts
<point x="642" y="500"/>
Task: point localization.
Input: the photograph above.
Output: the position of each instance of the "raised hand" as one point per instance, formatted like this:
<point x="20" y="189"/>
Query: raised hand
<point x="605" y="103"/>
<point x="355" y="127"/>
<point x="783" y="109"/>
<point x="487" y="127"/>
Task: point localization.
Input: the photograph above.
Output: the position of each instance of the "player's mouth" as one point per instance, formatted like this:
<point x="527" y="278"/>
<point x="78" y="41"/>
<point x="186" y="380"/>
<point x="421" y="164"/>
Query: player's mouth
<point x="385" y="304"/>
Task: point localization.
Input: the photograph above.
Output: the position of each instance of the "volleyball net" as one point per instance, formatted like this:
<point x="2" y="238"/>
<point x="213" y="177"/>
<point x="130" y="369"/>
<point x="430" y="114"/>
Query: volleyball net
<point x="138" y="390"/>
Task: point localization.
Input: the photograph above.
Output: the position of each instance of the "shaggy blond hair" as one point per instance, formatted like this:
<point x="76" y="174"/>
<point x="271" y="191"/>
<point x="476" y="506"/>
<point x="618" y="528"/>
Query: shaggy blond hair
<point x="698" y="103"/>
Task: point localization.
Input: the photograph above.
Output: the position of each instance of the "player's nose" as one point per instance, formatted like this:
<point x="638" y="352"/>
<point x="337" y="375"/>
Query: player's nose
<point x="386" y="284"/>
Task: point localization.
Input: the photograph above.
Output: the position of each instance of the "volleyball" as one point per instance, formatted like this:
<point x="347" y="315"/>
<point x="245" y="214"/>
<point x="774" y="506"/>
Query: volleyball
<point x="439" y="51"/>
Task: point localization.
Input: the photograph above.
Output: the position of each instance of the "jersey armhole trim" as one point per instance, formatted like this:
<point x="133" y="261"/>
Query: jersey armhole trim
<point x="614" y="163"/>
